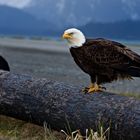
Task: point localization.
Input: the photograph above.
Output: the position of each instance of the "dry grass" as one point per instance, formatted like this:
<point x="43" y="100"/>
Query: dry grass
<point x="135" y="95"/>
<point x="13" y="129"/>
<point x="90" y="135"/>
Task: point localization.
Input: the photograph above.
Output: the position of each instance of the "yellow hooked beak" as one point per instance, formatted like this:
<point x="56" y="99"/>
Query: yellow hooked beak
<point x="67" y="36"/>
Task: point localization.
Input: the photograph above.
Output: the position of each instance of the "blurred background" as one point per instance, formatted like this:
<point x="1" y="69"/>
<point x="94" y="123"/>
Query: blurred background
<point x="30" y="40"/>
<point x="31" y="30"/>
<point x="118" y="19"/>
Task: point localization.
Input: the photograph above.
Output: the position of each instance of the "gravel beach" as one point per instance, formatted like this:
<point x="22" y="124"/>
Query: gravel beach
<point x="52" y="60"/>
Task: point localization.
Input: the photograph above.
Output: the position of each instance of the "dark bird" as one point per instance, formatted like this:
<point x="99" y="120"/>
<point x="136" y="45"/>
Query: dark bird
<point x="4" y="64"/>
<point x="104" y="60"/>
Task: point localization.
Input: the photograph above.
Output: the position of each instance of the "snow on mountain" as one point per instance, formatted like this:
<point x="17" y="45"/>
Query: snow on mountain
<point x="80" y="12"/>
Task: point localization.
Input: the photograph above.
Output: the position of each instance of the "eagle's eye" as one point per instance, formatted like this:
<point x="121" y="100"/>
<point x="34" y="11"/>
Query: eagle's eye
<point x="71" y="33"/>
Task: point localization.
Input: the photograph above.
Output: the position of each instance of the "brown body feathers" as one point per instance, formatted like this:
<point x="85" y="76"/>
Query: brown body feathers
<point x="106" y="60"/>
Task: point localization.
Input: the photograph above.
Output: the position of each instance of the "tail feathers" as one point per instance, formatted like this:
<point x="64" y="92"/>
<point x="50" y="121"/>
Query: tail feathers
<point x="134" y="56"/>
<point x="4" y="64"/>
<point x="134" y="71"/>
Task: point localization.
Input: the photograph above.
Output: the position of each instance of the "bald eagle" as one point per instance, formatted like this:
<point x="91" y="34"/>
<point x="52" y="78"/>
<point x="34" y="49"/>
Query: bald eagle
<point x="3" y="64"/>
<point x="104" y="60"/>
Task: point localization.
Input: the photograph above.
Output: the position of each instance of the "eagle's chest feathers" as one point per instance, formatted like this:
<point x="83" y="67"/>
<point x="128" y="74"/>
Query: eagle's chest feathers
<point x="83" y="59"/>
<point x="87" y="62"/>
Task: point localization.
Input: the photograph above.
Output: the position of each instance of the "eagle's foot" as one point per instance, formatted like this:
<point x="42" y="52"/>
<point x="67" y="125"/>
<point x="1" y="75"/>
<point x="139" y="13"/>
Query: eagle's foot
<point x="93" y="88"/>
<point x="101" y="87"/>
<point x="85" y="90"/>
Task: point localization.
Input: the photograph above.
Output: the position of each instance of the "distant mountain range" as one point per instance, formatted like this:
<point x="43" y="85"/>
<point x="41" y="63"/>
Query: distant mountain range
<point x="18" y="22"/>
<point x="81" y="12"/>
<point x="14" y="21"/>
<point x="127" y="29"/>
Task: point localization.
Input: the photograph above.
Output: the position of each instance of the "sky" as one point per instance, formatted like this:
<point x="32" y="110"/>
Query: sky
<point x="15" y="3"/>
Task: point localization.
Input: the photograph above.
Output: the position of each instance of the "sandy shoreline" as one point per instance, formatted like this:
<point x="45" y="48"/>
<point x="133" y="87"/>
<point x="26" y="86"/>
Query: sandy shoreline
<point x="45" y="45"/>
<point x="42" y="45"/>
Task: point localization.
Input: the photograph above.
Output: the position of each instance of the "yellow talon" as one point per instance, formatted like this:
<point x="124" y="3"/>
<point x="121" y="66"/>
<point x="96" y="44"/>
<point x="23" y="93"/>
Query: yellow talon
<point x="93" y="88"/>
<point x="85" y="90"/>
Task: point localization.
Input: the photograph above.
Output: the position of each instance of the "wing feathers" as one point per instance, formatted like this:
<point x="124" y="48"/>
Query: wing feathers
<point x="101" y="56"/>
<point x="132" y="55"/>
<point x="134" y="71"/>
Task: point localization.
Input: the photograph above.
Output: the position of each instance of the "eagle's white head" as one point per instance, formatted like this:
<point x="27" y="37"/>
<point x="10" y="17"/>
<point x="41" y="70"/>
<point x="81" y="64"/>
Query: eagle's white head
<point x="74" y="37"/>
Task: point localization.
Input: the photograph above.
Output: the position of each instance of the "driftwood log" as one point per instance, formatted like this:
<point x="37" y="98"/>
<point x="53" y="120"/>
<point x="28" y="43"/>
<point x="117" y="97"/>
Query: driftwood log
<point x="60" y="105"/>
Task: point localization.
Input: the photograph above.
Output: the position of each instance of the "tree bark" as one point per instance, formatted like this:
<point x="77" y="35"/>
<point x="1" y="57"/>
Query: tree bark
<point x="60" y="106"/>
